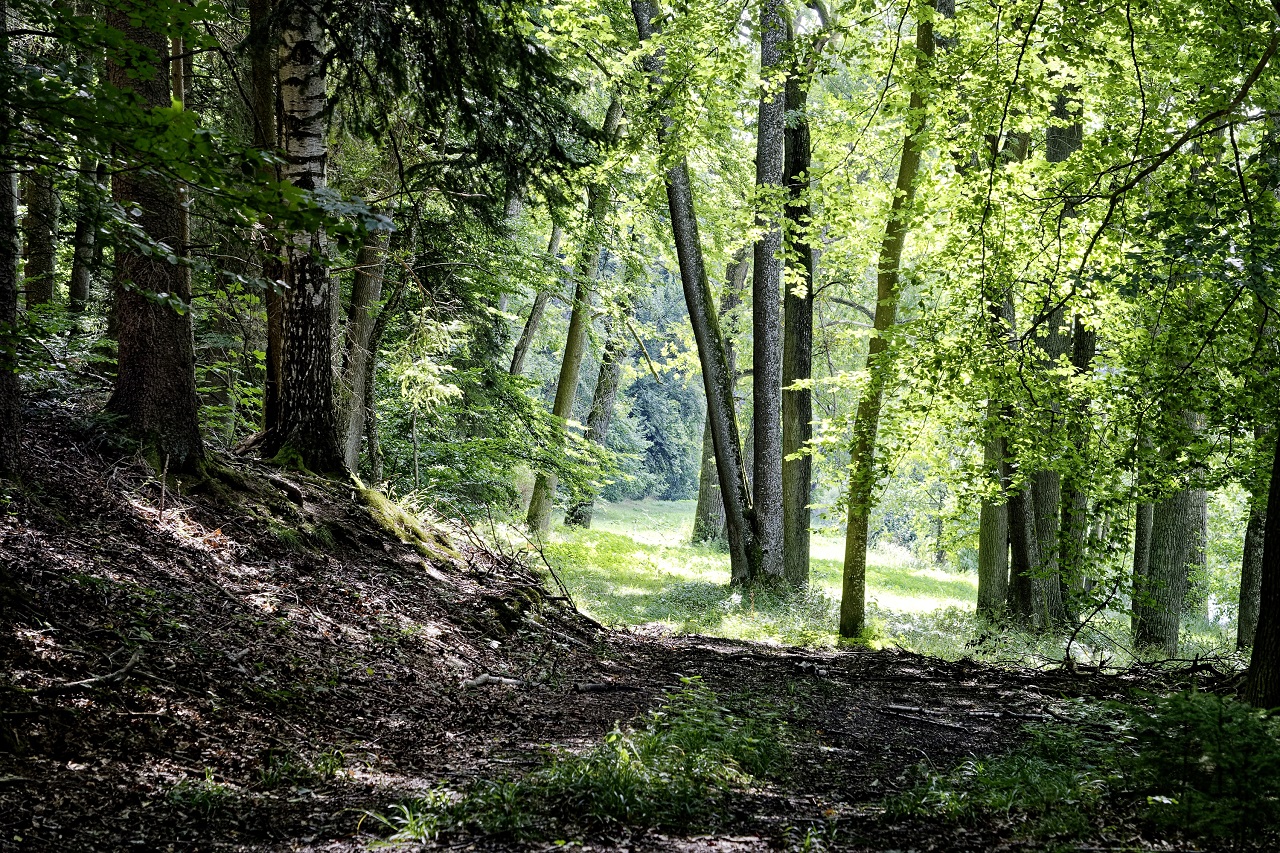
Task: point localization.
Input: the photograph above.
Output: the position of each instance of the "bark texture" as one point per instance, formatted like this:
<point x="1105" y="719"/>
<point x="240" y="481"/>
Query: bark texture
<point x="1262" y="688"/>
<point x="10" y="384"/>
<point x="155" y="391"/>
<point x="366" y="291"/>
<point x="716" y="376"/>
<point x="1251" y="577"/>
<point x="601" y="414"/>
<point x="540" y="300"/>
<point x="1174" y="530"/>
<point x="797" y="344"/>
<point x="993" y="538"/>
<point x="87" y="216"/>
<point x="575" y="346"/>
<point x="306" y="429"/>
<point x="867" y="423"/>
<point x="1141" y="555"/>
<point x="39" y="231"/>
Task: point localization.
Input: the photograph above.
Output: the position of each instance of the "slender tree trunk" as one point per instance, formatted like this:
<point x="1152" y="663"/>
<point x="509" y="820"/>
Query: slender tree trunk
<point x="306" y="432"/>
<point x="385" y="313"/>
<point x="540" y="300"/>
<point x="1046" y="491"/>
<point x="155" y="389"/>
<point x="575" y="347"/>
<point x="993" y="536"/>
<point x="766" y="319"/>
<point x="797" y="345"/>
<point x="867" y="423"/>
<point x="1251" y="576"/>
<point x="1026" y="591"/>
<point x="709" y="518"/>
<point x="40" y="230"/>
<point x="1262" y="688"/>
<point x="366" y="291"/>
<point x="10" y="384"/>
<point x="1141" y="555"/>
<point x="87" y="216"/>
<point x="716" y="376"/>
<point x="601" y="414"/>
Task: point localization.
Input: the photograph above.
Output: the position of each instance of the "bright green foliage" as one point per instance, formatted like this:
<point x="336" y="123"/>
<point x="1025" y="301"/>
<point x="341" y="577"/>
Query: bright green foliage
<point x="674" y="768"/>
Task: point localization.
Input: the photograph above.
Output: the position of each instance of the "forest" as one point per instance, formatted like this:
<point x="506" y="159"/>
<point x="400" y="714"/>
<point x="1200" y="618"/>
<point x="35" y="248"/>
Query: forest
<point x="656" y="425"/>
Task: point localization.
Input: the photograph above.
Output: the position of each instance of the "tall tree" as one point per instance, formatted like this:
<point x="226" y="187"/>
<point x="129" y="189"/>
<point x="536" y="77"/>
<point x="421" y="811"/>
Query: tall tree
<point x="10" y="383"/>
<point x="602" y="402"/>
<point x="366" y="291"/>
<point x="766" y="319"/>
<point x="1262" y="687"/>
<point x="540" y="299"/>
<point x="306" y="429"/>
<point x="40" y="231"/>
<point x="716" y="376"/>
<point x="867" y="423"/>
<point x="1172" y="549"/>
<point x="1251" y="575"/>
<point x="575" y="347"/>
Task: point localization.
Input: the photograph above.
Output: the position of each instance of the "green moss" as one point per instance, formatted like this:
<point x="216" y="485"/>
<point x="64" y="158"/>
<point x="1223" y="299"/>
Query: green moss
<point x="404" y="526"/>
<point x="290" y="458"/>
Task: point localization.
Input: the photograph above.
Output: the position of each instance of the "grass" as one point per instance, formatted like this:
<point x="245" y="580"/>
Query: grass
<point x="636" y="567"/>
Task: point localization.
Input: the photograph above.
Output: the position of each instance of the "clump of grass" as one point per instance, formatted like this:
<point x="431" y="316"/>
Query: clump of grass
<point x="675" y="768"/>
<point x="202" y="796"/>
<point x="297" y="770"/>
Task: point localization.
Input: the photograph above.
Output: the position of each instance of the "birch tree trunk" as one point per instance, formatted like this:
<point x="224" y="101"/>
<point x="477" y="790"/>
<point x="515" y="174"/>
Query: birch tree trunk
<point x="306" y="431"/>
<point x="155" y="391"/>
<point x="867" y="423"/>
<point x="797" y="345"/>
<point x="10" y="384"/>
<point x="575" y="347"/>
<point x="540" y="300"/>
<point x="716" y="376"/>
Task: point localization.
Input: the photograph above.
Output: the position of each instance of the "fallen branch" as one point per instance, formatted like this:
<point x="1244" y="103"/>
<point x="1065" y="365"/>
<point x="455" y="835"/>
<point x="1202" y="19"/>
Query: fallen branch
<point x="110" y="678"/>
<point x="602" y="687"/>
<point x="485" y="678"/>
<point x="920" y="719"/>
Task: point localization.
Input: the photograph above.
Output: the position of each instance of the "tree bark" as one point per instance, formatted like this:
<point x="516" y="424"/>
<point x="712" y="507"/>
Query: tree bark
<point x="716" y="376"/>
<point x="575" y="347"/>
<point x="867" y="423"/>
<point x="1174" y="527"/>
<point x="1251" y="576"/>
<point x="709" y="517"/>
<point x="993" y="537"/>
<point x="1026" y="591"/>
<point x="87" y="217"/>
<point x="797" y="345"/>
<point x="306" y="432"/>
<point x="40" y="230"/>
<point x="1262" y="687"/>
<point x="1141" y="555"/>
<point x="155" y="390"/>
<point x="366" y="291"/>
<point x="540" y="300"/>
<point x="10" y="384"/>
<point x="766" y="319"/>
<point x="601" y="414"/>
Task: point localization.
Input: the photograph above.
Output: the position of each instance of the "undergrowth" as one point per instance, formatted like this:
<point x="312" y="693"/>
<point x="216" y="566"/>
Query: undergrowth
<point x="677" y="767"/>
<point x="1198" y="763"/>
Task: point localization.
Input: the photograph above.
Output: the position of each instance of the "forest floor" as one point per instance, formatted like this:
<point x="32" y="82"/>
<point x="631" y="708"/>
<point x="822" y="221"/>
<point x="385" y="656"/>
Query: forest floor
<point x="260" y="661"/>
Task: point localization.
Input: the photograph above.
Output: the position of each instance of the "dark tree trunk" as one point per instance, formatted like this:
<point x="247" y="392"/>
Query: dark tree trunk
<point x="306" y="432"/>
<point x="867" y="422"/>
<point x="1174" y="528"/>
<point x="366" y="291"/>
<point x="1026" y="592"/>
<point x="1046" y="491"/>
<point x="155" y="389"/>
<point x="716" y="376"/>
<point x="87" y="217"/>
<point x="539" y="307"/>
<point x="797" y="345"/>
<point x="993" y="537"/>
<point x="601" y="414"/>
<point x="1262" y="688"/>
<point x="40" y="230"/>
<point x="1251" y="576"/>
<point x="389" y="308"/>
<point x="766" y="319"/>
<point x="575" y="347"/>
<point x="10" y="384"/>
<point x="709" y="518"/>
<point x="1141" y="555"/>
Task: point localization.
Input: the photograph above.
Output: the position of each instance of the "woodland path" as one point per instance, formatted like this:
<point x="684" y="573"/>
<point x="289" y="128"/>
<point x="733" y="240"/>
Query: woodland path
<point x="268" y="620"/>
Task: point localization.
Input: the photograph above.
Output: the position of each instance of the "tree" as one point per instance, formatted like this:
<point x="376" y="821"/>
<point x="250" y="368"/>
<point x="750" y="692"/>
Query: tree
<point x="10" y="383"/>
<point x="155" y="391"/>
<point x="1262" y="687"/>
<point x="539" y="307"/>
<point x="40" y="229"/>
<point x="716" y="376"/>
<point x="366" y="291"/>
<point x="602" y="401"/>
<point x="862" y="452"/>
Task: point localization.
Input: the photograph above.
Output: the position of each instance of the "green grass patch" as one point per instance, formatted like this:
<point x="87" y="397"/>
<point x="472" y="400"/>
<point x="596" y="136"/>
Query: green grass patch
<point x="677" y="767"/>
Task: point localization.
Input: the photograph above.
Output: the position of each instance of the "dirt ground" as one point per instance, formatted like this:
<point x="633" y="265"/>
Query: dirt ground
<point x="178" y="662"/>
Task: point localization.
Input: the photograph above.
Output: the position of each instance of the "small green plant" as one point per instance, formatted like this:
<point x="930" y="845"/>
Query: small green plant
<point x="291" y="768"/>
<point x="676" y="768"/>
<point x="204" y="796"/>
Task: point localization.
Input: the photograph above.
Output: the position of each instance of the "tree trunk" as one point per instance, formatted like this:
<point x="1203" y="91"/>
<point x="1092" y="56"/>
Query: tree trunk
<point x="993" y="537"/>
<point x="366" y="290"/>
<point x="1046" y="491"/>
<point x="709" y="517"/>
<point x="10" y="384"/>
<point x="540" y="300"/>
<point x="1251" y="576"/>
<point x="385" y="313"/>
<point x="766" y="319"/>
<point x="1174" y="527"/>
<point x="1026" y="591"/>
<point x="575" y="347"/>
<point x="867" y="423"/>
<point x="1262" y="688"/>
<point x="601" y="414"/>
<point x="797" y="345"/>
<point x="155" y="390"/>
<point x="306" y="432"/>
<point x="1141" y="555"/>
<point x="87" y="216"/>
<point x="40" y="230"/>
<point x="716" y="376"/>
